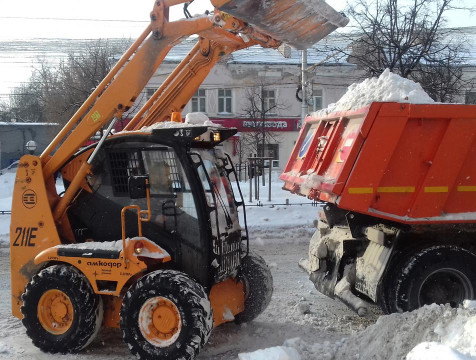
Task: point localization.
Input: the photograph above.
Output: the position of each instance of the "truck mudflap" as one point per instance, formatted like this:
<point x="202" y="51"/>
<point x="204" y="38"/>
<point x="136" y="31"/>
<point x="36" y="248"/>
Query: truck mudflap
<point x="332" y="265"/>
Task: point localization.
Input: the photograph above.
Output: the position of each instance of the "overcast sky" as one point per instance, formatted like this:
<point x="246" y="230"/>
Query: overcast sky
<point x="86" y="19"/>
<point x="17" y="17"/>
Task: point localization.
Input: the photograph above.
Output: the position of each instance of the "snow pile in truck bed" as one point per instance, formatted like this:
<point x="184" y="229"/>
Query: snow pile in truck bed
<point x="389" y="87"/>
<point x="313" y="181"/>
<point x="430" y="333"/>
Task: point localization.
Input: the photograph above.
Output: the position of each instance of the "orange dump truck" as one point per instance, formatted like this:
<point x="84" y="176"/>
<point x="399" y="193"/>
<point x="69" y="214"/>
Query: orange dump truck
<point x="398" y="186"/>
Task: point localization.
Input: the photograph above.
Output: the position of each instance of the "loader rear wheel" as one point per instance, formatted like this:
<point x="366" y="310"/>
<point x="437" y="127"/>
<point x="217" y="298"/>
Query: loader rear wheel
<point x="258" y="287"/>
<point x="166" y="315"/>
<point x="61" y="312"/>
<point x="440" y="274"/>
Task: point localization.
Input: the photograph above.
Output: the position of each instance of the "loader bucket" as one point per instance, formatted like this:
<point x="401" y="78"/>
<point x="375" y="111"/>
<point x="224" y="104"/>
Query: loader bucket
<point x="299" y="23"/>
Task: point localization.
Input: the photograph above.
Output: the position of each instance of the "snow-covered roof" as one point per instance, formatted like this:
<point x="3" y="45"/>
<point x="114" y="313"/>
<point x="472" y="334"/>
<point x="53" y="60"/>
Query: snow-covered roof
<point x="258" y="55"/>
<point x="470" y="34"/>
<point x="319" y="52"/>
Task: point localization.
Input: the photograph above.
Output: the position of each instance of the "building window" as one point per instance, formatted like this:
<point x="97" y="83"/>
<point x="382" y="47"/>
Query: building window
<point x="224" y="101"/>
<point x="269" y="101"/>
<point x="270" y="150"/>
<point x="199" y="101"/>
<point x="470" y="97"/>
<point x="316" y="99"/>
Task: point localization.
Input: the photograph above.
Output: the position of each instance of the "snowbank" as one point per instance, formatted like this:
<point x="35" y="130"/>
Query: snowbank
<point x="435" y="351"/>
<point x="271" y="215"/>
<point x="388" y="87"/>
<point x="6" y="187"/>
<point x="274" y="353"/>
<point x="432" y="332"/>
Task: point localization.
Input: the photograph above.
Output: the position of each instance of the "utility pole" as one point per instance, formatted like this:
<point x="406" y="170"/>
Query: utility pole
<point x="308" y="70"/>
<point x="304" y="105"/>
<point x="263" y="118"/>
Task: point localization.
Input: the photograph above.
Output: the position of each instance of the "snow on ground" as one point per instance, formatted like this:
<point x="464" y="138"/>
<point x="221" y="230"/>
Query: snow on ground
<point x="430" y="333"/>
<point x="269" y="214"/>
<point x="299" y="323"/>
<point x="6" y="190"/>
<point x="387" y="87"/>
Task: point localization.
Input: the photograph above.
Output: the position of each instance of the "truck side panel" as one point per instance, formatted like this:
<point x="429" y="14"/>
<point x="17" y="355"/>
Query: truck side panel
<point x="404" y="162"/>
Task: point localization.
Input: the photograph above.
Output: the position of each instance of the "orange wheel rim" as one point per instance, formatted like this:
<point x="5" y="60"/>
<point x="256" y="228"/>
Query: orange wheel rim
<point x="160" y="322"/>
<point x="55" y="312"/>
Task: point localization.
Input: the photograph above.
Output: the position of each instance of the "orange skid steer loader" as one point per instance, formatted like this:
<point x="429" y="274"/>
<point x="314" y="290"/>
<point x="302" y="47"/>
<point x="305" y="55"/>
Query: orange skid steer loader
<point x="146" y="236"/>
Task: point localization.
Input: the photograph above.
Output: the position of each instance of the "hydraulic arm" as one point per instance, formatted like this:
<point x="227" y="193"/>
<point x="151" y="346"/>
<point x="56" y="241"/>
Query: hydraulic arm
<point x="218" y="36"/>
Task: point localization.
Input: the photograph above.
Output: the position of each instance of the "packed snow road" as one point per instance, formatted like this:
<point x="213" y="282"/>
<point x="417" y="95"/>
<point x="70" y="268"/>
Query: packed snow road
<point x="286" y="317"/>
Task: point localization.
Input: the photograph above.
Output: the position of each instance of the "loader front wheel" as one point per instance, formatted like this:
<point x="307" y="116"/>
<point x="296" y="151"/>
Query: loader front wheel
<point x="439" y="274"/>
<point x="61" y="312"/>
<point x="258" y="287"/>
<point x="166" y="315"/>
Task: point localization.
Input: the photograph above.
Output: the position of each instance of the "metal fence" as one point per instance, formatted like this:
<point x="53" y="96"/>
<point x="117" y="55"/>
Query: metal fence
<point x="313" y="203"/>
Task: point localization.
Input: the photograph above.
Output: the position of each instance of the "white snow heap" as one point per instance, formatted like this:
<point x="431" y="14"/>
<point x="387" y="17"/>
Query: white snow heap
<point x="433" y="332"/>
<point x="198" y="118"/>
<point x="191" y="120"/>
<point x="274" y="353"/>
<point x="397" y="335"/>
<point x="388" y="87"/>
<point x="162" y="125"/>
<point x="435" y="351"/>
<point x="313" y="181"/>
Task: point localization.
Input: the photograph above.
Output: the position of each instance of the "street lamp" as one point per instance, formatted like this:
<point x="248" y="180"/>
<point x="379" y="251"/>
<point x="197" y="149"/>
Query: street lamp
<point x="31" y="146"/>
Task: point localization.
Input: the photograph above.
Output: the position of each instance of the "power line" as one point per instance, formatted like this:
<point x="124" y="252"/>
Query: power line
<point x="73" y="19"/>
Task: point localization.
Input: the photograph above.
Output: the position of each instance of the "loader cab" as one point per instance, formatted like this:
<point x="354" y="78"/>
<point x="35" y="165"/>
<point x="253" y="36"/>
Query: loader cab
<point x="194" y="210"/>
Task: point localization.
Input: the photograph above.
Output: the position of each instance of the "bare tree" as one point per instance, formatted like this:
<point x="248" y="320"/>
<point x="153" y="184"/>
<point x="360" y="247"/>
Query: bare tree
<point x="56" y="90"/>
<point x="4" y="113"/>
<point x="260" y="104"/>
<point x="24" y="105"/>
<point x="409" y="38"/>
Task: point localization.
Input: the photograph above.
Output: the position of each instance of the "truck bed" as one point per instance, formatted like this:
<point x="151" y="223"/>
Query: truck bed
<point x="404" y="162"/>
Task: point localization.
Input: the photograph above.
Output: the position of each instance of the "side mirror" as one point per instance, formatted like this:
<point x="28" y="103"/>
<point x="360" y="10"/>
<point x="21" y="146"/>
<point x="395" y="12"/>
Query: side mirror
<point x="138" y="185"/>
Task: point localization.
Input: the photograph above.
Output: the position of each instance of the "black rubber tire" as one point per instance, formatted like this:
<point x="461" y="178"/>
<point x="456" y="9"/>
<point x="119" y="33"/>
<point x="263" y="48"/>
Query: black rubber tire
<point x="439" y="274"/>
<point x="383" y="300"/>
<point x="386" y="289"/>
<point x="192" y="303"/>
<point x="258" y="287"/>
<point x="87" y="309"/>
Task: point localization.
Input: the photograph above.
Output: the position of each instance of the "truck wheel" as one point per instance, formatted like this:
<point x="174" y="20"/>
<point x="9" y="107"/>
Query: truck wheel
<point x="440" y="274"/>
<point x="258" y="287"/>
<point x="166" y="315"/>
<point x="61" y="312"/>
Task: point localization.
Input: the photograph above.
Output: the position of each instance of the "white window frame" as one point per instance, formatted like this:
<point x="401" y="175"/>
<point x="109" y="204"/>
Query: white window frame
<point x="226" y="99"/>
<point x="269" y="101"/>
<point x="315" y="97"/>
<point x="199" y="101"/>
